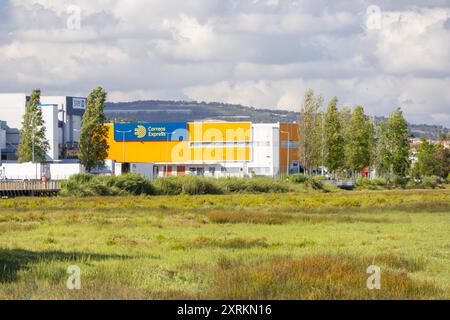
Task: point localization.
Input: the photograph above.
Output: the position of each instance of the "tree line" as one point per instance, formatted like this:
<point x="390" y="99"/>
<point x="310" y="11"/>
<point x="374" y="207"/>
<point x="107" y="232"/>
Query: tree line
<point x="347" y="141"/>
<point x="93" y="144"/>
<point x="342" y="140"/>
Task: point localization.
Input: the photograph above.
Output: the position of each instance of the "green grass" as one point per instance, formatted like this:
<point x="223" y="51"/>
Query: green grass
<point x="308" y="245"/>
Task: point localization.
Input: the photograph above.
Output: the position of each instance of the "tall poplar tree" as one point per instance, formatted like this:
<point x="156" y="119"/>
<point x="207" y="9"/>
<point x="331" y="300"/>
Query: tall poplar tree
<point x="426" y="159"/>
<point x="334" y="138"/>
<point x="442" y="155"/>
<point x="398" y="140"/>
<point x="358" y="141"/>
<point x="310" y="132"/>
<point x="33" y="142"/>
<point x="383" y="152"/>
<point x="93" y="137"/>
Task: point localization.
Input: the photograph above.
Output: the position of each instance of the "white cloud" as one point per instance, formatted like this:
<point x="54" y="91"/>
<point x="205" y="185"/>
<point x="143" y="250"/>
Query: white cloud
<point x="262" y="53"/>
<point x="415" y="42"/>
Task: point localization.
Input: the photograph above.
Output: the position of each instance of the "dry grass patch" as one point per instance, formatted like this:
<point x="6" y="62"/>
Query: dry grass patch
<point x="248" y="217"/>
<point x="253" y="217"/>
<point x="312" y="277"/>
<point x="231" y="243"/>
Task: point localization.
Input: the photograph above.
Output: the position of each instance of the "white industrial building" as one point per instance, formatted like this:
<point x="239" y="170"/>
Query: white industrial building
<point x="62" y="116"/>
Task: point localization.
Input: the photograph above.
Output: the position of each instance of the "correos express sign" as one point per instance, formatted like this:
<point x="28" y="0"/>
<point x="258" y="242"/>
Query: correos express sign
<point x="150" y="131"/>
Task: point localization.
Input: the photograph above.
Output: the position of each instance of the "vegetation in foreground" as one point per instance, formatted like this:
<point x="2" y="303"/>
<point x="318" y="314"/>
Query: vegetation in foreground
<point x="133" y="184"/>
<point x="259" y="246"/>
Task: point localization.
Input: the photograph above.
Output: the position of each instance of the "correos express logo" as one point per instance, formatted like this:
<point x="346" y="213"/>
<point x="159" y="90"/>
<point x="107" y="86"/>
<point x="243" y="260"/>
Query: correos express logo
<point x="140" y="132"/>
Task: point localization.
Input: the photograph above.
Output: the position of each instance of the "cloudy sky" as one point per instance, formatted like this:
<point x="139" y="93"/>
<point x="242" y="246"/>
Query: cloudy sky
<point x="262" y="53"/>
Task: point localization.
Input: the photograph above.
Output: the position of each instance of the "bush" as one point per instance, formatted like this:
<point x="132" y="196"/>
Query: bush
<point x="134" y="184"/>
<point x="298" y="178"/>
<point x="82" y="178"/>
<point x="431" y="182"/>
<point x="371" y="183"/>
<point x="315" y="182"/>
<point x="170" y="186"/>
<point x="253" y="185"/>
<point x="194" y="185"/>
<point x="91" y="185"/>
<point x="75" y="186"/>
<point x="448" y="178"/>
<point x="400" y="181"/>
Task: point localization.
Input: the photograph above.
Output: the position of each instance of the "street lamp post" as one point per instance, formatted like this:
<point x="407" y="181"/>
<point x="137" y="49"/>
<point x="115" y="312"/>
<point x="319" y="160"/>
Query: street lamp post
<point x="123" y="142"/>
<point x="167" y="153"/>
<point x="32" y="145"/>
<point x="288" y="151"/>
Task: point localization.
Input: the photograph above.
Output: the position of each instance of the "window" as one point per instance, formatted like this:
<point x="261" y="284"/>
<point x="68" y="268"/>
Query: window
<point x="223" y="144"/>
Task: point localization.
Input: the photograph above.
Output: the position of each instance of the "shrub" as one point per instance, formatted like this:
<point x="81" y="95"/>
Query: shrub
<point x="379" y="182"/>
<point x="448" y="178"/>
<point x="371" y="183"/>
<point x="400" y="181"/>
<point x="134" y="184"/>
<point x="298" y="178"/>
<point x="194" y="185"/>
<point x="82" y="178"/>
<point x="315" y="182"/>
<point x="431" y="182"/>
<point x="254" y="185"/>
<point x="90" y="185"/>
<point x="75" y="185"/>
<point x="362" y="182"/>
<point x="170" y="186"/>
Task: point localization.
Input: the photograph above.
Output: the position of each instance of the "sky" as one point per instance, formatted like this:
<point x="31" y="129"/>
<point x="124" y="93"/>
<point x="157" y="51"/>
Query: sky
<point x="260" y="53"/>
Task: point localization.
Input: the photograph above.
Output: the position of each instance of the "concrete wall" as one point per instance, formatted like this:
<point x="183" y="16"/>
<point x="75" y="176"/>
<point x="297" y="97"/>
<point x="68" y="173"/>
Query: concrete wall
<point x="33" y="171"/>
<point x="20" y="171"/>
<point x="50" y="117"/>
<point x="63" y="171"/>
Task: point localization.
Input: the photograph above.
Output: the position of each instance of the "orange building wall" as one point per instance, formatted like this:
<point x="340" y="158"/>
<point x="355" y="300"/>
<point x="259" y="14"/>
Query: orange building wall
<point x="292" y="128"/>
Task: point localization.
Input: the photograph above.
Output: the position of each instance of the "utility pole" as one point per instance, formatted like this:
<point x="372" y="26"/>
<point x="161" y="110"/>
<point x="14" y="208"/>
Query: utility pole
<point x="323" y="143"/>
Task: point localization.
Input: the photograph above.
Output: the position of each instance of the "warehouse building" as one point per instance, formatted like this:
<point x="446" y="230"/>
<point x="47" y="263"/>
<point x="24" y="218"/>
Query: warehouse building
<point x="62" y="116"/>
<point x="209" y="148"/>
<point x="214" y="149"/>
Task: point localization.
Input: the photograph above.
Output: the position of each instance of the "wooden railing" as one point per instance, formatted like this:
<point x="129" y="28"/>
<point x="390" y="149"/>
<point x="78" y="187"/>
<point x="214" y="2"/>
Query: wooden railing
<point x="29" y="188"/>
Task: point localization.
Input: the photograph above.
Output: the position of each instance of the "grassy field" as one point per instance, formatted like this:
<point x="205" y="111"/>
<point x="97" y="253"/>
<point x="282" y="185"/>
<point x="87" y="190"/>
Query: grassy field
<point x="266" y="246"/>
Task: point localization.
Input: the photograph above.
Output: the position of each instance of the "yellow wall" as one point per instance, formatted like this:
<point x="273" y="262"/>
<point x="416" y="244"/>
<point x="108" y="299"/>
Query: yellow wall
<point x="181" y="152"/>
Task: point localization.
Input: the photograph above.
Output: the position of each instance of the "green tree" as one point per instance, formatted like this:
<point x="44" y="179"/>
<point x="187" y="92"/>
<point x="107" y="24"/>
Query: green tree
<point x="310" y="131"/>
<point x="334" y="138"/>
<point x="345" y="116"/>
<point x="442" y="158"/>
<point x="359" y="135"/>
<point x="426" y="161"/>
<point x="383" y="156"/>
<point x="398" y="141"/>
<point x="33" y="142"/>
<point x="94" y="133"/>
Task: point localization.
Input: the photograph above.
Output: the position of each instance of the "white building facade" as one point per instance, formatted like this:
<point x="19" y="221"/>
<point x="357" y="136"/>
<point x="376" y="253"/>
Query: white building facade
<point x="62" y="116"/>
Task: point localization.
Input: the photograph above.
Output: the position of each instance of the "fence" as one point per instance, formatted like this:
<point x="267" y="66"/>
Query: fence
<point x="29" y="188"/>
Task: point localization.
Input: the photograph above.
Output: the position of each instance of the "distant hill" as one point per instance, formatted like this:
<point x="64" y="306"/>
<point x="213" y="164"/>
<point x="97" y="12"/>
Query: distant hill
<point x="180" y="111"/>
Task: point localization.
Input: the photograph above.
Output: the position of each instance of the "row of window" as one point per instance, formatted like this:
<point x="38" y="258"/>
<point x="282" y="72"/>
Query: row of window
<point x="241" y="144"/>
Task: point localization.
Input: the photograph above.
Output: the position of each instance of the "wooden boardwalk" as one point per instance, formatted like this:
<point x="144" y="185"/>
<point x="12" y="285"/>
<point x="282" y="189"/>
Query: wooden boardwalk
<point x="29" y="188"/>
